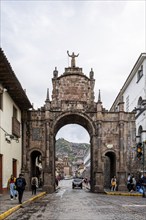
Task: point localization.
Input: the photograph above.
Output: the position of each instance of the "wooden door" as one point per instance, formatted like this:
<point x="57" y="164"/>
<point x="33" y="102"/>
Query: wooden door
<point x="1" y="175"/>
<point x="14" y="168"/>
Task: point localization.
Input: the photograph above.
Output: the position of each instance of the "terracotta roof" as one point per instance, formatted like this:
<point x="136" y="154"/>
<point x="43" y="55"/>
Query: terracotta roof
<point x="9" y="81"/>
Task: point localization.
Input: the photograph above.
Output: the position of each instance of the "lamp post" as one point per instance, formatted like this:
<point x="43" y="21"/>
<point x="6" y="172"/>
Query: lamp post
<point x="144" y="143"/>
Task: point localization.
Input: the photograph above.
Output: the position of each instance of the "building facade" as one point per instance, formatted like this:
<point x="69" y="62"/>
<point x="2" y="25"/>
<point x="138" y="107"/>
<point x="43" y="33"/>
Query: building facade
<point x="28" y="136"/>
<point x="13" y="101"/>
<point x="133" y="94"/>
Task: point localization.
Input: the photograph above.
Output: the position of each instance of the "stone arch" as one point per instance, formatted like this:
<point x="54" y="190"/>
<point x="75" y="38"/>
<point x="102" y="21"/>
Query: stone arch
<point x="74" y="118"/>
<point x="110" y="165"/>
<point x="73" y="102"/>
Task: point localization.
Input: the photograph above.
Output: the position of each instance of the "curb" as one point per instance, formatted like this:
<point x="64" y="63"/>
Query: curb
<point x="57" y="189"/>
<point x="123" y="194"/>
<point x="12" y="210"/>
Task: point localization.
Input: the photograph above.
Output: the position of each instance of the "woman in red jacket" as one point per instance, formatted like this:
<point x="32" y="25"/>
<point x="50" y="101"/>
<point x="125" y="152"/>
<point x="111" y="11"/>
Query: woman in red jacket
<point x="11" y="186"/>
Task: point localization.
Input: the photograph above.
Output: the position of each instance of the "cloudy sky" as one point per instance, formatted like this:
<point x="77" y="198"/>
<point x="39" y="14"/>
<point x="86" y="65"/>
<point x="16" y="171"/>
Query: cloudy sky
<point x="108" y="35"/>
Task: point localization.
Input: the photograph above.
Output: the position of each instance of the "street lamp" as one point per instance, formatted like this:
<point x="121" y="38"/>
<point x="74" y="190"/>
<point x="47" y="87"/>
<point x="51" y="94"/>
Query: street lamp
<point x="143" y="146"/>
<point x="9" y="137"/>
<point x="139" y="151"/>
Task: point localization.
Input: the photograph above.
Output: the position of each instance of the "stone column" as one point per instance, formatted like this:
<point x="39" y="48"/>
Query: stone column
<point x="97" y="162"/>
<point x="121" y="172"/>
<point x="25" y="140"/>
<point x="48" y="169"/>
<point x="23" y="146"/>
<point x="121" y="144"/>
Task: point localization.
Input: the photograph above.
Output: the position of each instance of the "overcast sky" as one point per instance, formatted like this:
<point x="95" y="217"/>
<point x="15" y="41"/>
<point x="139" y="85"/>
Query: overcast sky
<point x="108" y="35"/>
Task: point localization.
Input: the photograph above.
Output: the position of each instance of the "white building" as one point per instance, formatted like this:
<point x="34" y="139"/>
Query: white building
<point x="133" y="94"/>
<point x="13" y="101"/>
<point x="87" y="163"/>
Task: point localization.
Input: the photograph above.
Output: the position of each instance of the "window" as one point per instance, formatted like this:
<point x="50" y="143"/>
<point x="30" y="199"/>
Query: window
<point x="1" y="101"/>
<point x="140" y="73"/>
<point x="127" y="103"/>
<point x="116" y="108"/>
<point x="139" y="104"/>
<point x="140" y="129"/>
<point x="15" y="123"/>
<point x="14" y="112"/>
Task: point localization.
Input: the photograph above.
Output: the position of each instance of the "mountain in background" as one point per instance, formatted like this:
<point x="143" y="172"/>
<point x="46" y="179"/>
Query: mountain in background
<point x="74" y="151"/>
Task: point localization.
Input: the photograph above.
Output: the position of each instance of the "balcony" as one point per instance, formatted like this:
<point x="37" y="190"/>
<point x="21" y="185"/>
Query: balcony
<point x="15" y="127"/>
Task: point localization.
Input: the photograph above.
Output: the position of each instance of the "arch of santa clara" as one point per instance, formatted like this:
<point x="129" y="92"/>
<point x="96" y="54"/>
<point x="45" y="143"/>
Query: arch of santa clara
<point x="112" y="134"/>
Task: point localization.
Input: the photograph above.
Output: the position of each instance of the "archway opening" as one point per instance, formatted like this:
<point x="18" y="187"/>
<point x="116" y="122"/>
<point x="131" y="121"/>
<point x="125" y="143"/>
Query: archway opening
<point x="79" y="130"/>
<point x="36" y="167"/>
<point x="109" y="168"/>
<point x="72" y="149"/>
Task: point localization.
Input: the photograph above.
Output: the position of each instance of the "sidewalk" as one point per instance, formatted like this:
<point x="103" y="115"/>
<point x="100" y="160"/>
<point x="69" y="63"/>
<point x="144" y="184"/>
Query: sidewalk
<point x="8" y="206"/>
<point x="121" y="193"/>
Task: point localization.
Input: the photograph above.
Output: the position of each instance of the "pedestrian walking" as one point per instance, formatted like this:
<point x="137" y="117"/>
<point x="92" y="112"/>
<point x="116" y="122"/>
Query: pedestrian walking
<point x="129" y="182"/>
<point x="143" y="183"/>
<point x="12" y="187"/>
<point x="113" y="183"/>
<point x="85" y="181"/>
<point x="56" y="181"/>
<point x="133" y="183"/>
<point x="20" y="186"/>
<point x="34" y="184"/>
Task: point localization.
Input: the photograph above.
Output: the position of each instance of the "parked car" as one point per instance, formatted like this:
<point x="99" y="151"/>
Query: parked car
<point x="77" y="182"/>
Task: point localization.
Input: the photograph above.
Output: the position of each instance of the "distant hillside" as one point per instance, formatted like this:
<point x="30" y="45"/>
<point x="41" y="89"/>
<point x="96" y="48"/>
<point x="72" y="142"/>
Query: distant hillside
<point x="74" y="151"/>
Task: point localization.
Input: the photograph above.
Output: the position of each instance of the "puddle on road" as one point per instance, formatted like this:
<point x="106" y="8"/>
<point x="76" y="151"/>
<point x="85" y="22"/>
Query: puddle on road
<point x="61" y="192"/>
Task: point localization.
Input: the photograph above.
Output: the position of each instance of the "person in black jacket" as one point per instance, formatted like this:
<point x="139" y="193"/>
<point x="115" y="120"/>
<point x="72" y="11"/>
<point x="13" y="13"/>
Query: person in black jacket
<point x="20" y="186"/>
<point x="143" y="183"/>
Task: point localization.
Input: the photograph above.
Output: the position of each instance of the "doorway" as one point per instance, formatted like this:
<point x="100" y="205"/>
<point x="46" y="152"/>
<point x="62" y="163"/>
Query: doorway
<point x="1" y="175"/>
<point x="36" y="167"/>
<point x="109" y="168"/>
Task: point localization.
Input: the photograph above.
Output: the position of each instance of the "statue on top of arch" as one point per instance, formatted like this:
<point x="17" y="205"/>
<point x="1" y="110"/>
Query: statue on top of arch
<point x="73" y="63"/>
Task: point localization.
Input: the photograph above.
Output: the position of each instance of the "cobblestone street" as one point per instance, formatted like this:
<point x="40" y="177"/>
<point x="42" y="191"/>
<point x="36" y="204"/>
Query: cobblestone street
<point x="79" y="204"/>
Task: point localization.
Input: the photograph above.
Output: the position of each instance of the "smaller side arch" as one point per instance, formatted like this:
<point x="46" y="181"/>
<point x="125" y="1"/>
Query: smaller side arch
<point x="35" y="165"/>
<point x="110" y="159"/>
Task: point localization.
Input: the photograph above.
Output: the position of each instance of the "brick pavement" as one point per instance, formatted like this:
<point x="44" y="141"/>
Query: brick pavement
<point x="8" y="206"/>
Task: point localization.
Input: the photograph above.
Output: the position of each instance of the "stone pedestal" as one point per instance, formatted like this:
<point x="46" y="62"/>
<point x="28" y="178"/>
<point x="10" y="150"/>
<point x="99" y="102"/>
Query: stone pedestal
<point x="48" y="188"/>
<point x="98" y="182"/>
<point x="122" y="187"/>
<point x="98" y="189"/>
<point x="122" y="181"/>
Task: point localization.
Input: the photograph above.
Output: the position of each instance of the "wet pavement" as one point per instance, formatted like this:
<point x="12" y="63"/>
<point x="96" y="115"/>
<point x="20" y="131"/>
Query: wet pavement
<point x="77" y="204"/>
<point x="8" y="206"/>
<point x="74" y="204"/>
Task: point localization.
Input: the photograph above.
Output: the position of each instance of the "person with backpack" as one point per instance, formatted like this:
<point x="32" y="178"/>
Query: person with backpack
<point x="34" y="184"/>
<point x="20" y="186"/>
